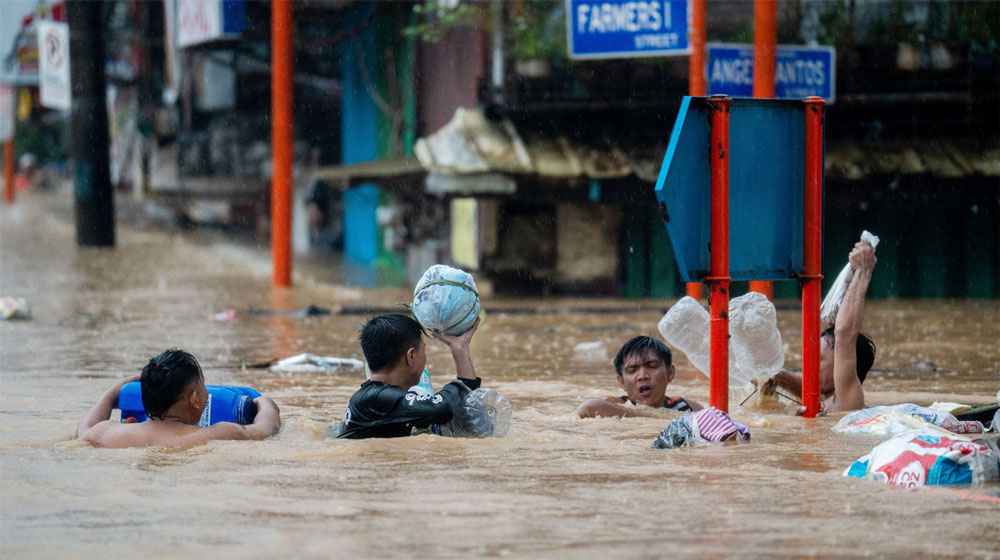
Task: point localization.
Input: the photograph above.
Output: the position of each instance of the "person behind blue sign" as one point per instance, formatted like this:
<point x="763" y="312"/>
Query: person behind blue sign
<point x="174" y="396"/>
<point x="394" y="348"/>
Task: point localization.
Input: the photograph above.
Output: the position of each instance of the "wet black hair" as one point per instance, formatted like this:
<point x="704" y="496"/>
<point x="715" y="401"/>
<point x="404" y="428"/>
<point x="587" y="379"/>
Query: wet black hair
<point x="864" y="349"/>
<point x="640" y="345"/>
<point x="385" y="339"/>
<point x="165" y="378"/>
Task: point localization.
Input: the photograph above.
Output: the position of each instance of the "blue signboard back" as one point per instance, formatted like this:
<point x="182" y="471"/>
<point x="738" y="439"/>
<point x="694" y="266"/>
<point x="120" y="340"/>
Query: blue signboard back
<point x="626" y="28"/>
<point x="766" y="189"/>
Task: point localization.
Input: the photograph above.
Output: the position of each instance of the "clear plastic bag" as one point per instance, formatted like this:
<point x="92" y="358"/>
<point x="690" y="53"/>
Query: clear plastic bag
<point x="831" y="303"/>
<point x="755" y="347"/>
<point x="483" y="413"/>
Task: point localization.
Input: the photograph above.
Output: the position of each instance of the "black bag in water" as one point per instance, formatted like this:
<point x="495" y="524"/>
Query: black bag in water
<point x="225" y="404"/>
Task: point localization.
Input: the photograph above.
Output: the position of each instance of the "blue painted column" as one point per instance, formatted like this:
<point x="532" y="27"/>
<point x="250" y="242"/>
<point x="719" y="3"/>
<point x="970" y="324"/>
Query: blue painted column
<point x="359" y="141"/>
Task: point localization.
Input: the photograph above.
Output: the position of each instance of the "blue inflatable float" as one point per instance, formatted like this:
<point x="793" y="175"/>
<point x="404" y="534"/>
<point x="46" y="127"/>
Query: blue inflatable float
<point x="225" y="404"/>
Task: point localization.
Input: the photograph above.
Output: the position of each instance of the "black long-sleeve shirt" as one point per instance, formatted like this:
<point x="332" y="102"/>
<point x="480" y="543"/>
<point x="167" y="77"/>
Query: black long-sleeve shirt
<point x="378" y="410"/>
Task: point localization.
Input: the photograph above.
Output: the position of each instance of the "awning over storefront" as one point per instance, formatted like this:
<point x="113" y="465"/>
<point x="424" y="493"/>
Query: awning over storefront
<point x="473" y="155"/>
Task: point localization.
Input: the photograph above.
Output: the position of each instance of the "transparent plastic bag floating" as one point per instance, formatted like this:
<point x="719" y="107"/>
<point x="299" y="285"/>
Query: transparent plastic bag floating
<point x="483" y="413"/>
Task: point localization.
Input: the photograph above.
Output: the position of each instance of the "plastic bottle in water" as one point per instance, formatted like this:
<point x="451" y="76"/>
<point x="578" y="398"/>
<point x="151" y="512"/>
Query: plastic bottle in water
<point x="753" y="328"/>
<point x="686" y="328"/>
<point x="483" y="413"/>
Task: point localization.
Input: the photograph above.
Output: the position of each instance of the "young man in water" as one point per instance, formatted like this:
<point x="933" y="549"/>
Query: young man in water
<point x="174" y="396"/>
<point x="845" y="353"/>
<point x="394" y="348"/>
<point x="644" y="370"/>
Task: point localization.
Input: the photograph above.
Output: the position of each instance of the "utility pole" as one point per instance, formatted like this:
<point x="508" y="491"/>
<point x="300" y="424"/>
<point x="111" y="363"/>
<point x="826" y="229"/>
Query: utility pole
<point x="95" y="210"/>
<point x="282" y="53"/>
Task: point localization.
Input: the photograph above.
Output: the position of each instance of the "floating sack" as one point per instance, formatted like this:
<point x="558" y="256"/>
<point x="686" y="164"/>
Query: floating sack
<point x="225" y="404"/>
<point x="483" y="413"/>
<point x="446" y="300"/>
<point x="900" y="418"/>
<point x="311" y="363"/>
<point x="924" y="457"/>
<point x="831" y="303"/>
<point x="708" y="424"/>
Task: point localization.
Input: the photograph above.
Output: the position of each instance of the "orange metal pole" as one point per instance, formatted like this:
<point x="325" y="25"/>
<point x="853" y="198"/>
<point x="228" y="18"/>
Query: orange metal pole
<point x="812" y="253"/>
<point x="696" y="83"/>
<point x="718" y="282"/>
<point x="765" y="34"/>
<point x="8" y="172"/>
<point x="281" y="141"/>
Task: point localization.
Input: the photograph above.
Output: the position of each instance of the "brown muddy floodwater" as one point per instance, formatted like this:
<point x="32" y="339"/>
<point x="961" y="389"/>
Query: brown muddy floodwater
<point x="555" y="487"/>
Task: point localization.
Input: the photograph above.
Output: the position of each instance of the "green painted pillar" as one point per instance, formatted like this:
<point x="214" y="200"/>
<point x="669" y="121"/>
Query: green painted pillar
<point x="636" y="252"/>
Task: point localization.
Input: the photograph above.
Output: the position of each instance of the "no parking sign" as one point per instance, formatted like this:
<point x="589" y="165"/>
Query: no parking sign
<point x="54" y="87"/>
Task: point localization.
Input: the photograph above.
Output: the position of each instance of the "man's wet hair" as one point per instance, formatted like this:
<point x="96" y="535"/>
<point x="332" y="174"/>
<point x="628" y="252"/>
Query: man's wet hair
<point x="165" y="378"/>
<point x="385" y="339"/>
<point x="641" y="345"/>
<point x="864" y="348"/>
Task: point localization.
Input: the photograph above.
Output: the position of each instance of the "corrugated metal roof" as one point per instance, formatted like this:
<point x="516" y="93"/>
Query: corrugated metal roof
<point x="471" y="144"/>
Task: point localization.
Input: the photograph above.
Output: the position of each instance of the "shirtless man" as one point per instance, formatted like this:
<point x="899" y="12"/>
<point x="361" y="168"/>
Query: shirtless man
<point x="174" y="396"/>
<point x="644" y="369"/>
<point x="845" y="354"/>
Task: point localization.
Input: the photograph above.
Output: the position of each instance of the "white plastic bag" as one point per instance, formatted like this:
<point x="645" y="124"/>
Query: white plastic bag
<point x="831" y="303"/>
<point x="755" y="348"/>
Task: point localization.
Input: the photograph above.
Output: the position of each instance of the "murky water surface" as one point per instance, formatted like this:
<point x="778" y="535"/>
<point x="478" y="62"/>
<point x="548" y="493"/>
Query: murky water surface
<point x="556" y="486"/>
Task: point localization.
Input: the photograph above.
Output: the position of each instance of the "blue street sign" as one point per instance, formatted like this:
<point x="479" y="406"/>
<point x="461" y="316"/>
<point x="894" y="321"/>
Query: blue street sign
<point x="626" y="28"/>
<point x="766" y="189"/>
<point x="798" y="71"/>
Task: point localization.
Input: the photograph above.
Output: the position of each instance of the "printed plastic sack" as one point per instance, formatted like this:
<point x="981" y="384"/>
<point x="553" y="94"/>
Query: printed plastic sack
<point x="446" y="300"/>
<point x="706" y="425"/>
<point x="900" y="418"/>
<point x="13" y="308"/>
<point x="755" y="348"/>
<point x="831" y="303"/>
<point x="926" y="457"/>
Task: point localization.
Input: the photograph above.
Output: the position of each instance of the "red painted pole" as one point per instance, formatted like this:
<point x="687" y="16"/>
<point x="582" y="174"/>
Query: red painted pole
<point x="765" y="36"/>
<point x="281" y="141"/>
<point x="718" y="282"/>
<point x="812" y="254"/>
<point x="8" y="172"/>
<point x="696" y="83"/>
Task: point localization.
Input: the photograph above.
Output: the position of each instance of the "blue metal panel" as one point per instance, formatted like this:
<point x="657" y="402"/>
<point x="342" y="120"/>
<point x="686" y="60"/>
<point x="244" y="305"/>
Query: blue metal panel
<point x="359" y="133"/>
<point x="766" y="186"/>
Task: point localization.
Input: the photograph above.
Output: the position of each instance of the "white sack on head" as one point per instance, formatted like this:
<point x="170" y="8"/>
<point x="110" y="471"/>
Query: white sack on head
<point x="446" y="300"/>
<point x="831" y="303"/>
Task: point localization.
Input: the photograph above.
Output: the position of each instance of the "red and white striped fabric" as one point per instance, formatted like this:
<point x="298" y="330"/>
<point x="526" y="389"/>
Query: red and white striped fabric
<point x="714" y="425"/>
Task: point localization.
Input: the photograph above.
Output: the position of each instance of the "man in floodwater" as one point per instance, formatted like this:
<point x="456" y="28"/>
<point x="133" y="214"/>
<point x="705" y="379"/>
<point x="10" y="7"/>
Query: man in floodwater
<point x="846" y="354"/>
<point x="644" y="370"/>
<point x="174" y="396"/>
<point x="394" y="348"/>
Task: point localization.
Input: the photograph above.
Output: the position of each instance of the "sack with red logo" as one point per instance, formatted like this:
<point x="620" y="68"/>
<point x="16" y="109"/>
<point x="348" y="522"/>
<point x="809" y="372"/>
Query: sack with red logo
<point x="925" y="457"/>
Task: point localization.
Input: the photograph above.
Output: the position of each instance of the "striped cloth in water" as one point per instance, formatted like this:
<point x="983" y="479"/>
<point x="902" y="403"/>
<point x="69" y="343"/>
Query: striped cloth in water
<point x="715" y="425"/>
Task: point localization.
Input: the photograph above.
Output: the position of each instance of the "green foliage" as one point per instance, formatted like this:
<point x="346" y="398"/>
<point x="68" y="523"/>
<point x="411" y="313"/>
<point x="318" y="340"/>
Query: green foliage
<point x="436" y="17"/>
<point x="538" y="30"/>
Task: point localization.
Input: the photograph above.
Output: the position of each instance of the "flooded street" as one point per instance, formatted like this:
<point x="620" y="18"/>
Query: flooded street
<point x="556" y="486"/>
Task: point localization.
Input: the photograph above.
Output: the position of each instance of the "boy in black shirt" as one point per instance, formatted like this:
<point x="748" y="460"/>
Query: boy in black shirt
<point x="396" y="355"/>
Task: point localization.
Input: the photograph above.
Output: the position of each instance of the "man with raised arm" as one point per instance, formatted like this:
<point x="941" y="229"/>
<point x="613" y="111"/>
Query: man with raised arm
<point x="394" y="348"/>
<point x="174" y="397"/>
<point x="846" y="354"/>
<point x="644" y="370"/>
